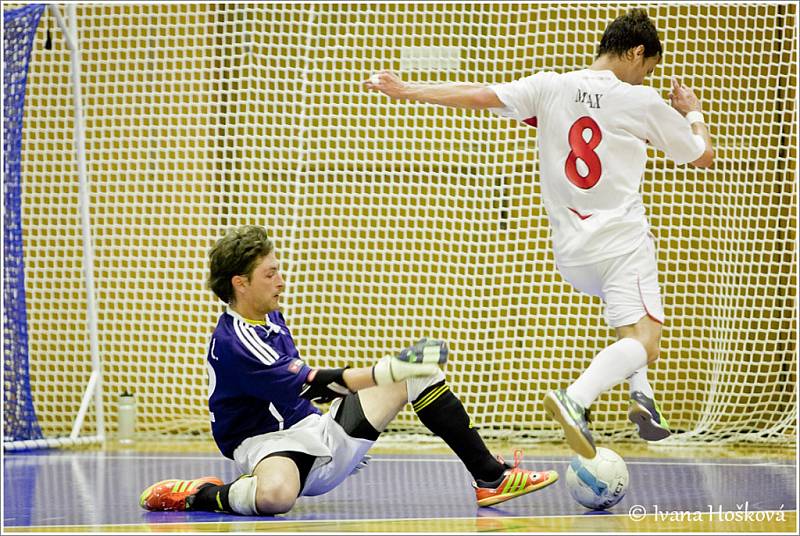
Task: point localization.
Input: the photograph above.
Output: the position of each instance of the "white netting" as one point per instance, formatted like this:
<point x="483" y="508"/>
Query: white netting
<point x="395" y="220"/>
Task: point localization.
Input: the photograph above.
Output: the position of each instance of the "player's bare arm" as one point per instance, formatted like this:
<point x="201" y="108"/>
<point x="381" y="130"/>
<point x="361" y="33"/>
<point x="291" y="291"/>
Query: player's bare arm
<point x="456" y="95"/>
<point x="685" y="101"/>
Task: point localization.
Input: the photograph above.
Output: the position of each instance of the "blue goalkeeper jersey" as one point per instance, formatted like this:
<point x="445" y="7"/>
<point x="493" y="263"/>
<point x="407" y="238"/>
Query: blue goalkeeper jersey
<point x="255" y="375"/>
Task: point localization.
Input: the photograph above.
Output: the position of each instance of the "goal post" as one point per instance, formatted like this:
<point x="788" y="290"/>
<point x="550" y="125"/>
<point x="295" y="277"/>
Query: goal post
<point x="24" y="433"/>
<point x="395" y="220"/>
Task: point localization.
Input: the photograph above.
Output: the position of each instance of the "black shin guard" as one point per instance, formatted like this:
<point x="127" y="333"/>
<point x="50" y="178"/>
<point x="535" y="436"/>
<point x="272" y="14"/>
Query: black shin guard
<point x="444" y="415"/>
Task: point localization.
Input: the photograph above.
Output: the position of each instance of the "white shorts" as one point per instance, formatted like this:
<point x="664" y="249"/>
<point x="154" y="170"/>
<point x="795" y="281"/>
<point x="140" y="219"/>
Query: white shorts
<point x="628" y="285"/>
<point x="319" y="435"/>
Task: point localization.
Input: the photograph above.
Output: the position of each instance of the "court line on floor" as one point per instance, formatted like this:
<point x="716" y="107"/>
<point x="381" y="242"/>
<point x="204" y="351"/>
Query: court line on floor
<point x="266" y="519"/>
<point x="379" y="458"/>
<point x="669" y="461"/>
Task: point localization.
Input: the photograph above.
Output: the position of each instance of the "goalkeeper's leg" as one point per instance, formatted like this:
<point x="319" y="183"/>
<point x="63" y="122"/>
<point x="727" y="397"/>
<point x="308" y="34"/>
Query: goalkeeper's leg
<point x="271" y="489"/>
<point x="442" y="413"/>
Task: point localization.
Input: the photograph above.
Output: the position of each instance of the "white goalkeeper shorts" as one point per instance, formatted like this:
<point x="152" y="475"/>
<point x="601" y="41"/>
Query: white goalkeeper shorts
<point x="337" y="453"/>
<point x="628" y="285"/>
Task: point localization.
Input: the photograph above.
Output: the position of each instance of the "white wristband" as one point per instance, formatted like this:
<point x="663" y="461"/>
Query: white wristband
<point x="700" y="141"/>
<point x="695" y="117"/>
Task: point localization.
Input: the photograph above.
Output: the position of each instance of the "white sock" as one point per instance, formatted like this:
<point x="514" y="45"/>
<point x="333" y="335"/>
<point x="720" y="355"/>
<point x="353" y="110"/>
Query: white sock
<point x="242" y="496"/>
<point x="607" y="369"/>
<point x="639" y="383"/>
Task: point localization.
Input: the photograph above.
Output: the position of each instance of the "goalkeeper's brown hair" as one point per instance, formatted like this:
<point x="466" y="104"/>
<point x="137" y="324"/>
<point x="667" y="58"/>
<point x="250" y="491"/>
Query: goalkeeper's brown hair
<point x="236" y="253"/>
<point x="629" y="31"/>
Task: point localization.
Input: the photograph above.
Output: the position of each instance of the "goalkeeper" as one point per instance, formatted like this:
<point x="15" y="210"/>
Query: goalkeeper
<point x="262" y="416"/>
<point x="593" y="129"/>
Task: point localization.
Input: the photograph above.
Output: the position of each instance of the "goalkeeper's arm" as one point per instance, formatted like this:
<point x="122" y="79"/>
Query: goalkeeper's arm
<point x="457" y="95"/>
<point x="421" y="359"/>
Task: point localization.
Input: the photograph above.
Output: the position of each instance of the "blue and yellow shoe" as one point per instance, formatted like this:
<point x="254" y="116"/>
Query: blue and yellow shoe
<point x="574" y="419"/>
<point x="425" y="350"/>
<point x="171" y="495"/>
<point x="645" y="415"/>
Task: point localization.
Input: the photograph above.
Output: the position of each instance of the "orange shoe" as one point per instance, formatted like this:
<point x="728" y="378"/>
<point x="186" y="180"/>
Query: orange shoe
<point x="169" y="495"/>
<point x="516" y="482"/>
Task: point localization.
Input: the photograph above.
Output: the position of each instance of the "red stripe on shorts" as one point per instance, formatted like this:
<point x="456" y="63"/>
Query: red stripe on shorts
<point x="641" y="296"/>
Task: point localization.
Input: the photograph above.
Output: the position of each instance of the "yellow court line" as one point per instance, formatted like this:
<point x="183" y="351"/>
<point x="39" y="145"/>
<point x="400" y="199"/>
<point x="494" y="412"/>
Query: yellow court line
<point x="725" y="522"/>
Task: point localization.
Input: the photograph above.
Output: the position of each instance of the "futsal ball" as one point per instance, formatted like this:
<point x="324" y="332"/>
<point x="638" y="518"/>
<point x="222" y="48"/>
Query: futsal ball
<point x="599" y="483"/>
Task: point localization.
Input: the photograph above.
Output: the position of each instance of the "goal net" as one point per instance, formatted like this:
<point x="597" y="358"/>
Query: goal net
<point x="396" y="220"/>
<point x="19" y="418"/>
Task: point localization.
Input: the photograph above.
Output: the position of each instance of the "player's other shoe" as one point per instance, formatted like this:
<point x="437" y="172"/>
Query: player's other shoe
<point x="574" y="419"/>
<point x="515" y="482"/>
<point x="425" y="351"/>
<point x="645" y="415"/>
<point x="171" y="495"/>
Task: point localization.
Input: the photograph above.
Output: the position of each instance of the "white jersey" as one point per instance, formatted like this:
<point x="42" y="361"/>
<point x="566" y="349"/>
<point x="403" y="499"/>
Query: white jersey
<point x="593" y="131"/>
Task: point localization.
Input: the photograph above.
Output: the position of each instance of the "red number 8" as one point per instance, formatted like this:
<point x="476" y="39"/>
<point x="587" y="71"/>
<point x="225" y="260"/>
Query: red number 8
<point x="585" y="151"/>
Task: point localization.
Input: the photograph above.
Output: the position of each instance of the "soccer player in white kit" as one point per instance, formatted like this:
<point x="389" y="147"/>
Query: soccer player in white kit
<point x="593" y="128"/>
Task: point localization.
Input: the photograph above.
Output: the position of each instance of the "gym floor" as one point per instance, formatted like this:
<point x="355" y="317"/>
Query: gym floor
<point x="671" y="489"/>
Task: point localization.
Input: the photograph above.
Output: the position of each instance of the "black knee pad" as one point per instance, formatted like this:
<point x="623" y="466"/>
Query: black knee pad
<point x="350" y="416"/>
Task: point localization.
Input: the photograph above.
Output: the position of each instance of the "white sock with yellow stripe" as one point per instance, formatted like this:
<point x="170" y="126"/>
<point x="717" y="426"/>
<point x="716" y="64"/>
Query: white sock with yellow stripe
<point x="415" y="386"/>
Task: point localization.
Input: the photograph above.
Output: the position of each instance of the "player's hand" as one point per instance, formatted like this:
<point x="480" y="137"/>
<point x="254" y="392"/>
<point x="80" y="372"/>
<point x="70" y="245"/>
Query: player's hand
<point x="387" y="83"/>
<point x="683" y="98"/>
<point x="421" y="359"/>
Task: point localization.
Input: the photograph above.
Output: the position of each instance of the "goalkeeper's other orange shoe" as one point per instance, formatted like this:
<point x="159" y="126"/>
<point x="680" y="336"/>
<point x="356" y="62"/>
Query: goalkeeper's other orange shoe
<point x="170" y="495"/>
<point x="516" y="481"/>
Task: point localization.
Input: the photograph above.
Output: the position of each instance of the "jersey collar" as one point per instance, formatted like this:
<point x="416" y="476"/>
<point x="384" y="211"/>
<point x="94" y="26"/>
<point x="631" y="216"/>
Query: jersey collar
<point x="270" y="326"/>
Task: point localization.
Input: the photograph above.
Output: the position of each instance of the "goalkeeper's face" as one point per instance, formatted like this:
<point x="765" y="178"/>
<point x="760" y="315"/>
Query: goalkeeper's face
<point x="261" y="292"/>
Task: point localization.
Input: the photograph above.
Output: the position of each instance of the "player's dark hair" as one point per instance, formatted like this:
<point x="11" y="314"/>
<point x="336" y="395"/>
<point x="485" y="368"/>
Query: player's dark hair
<point x="236" y="253"/>
<point x="629" y="31"/>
